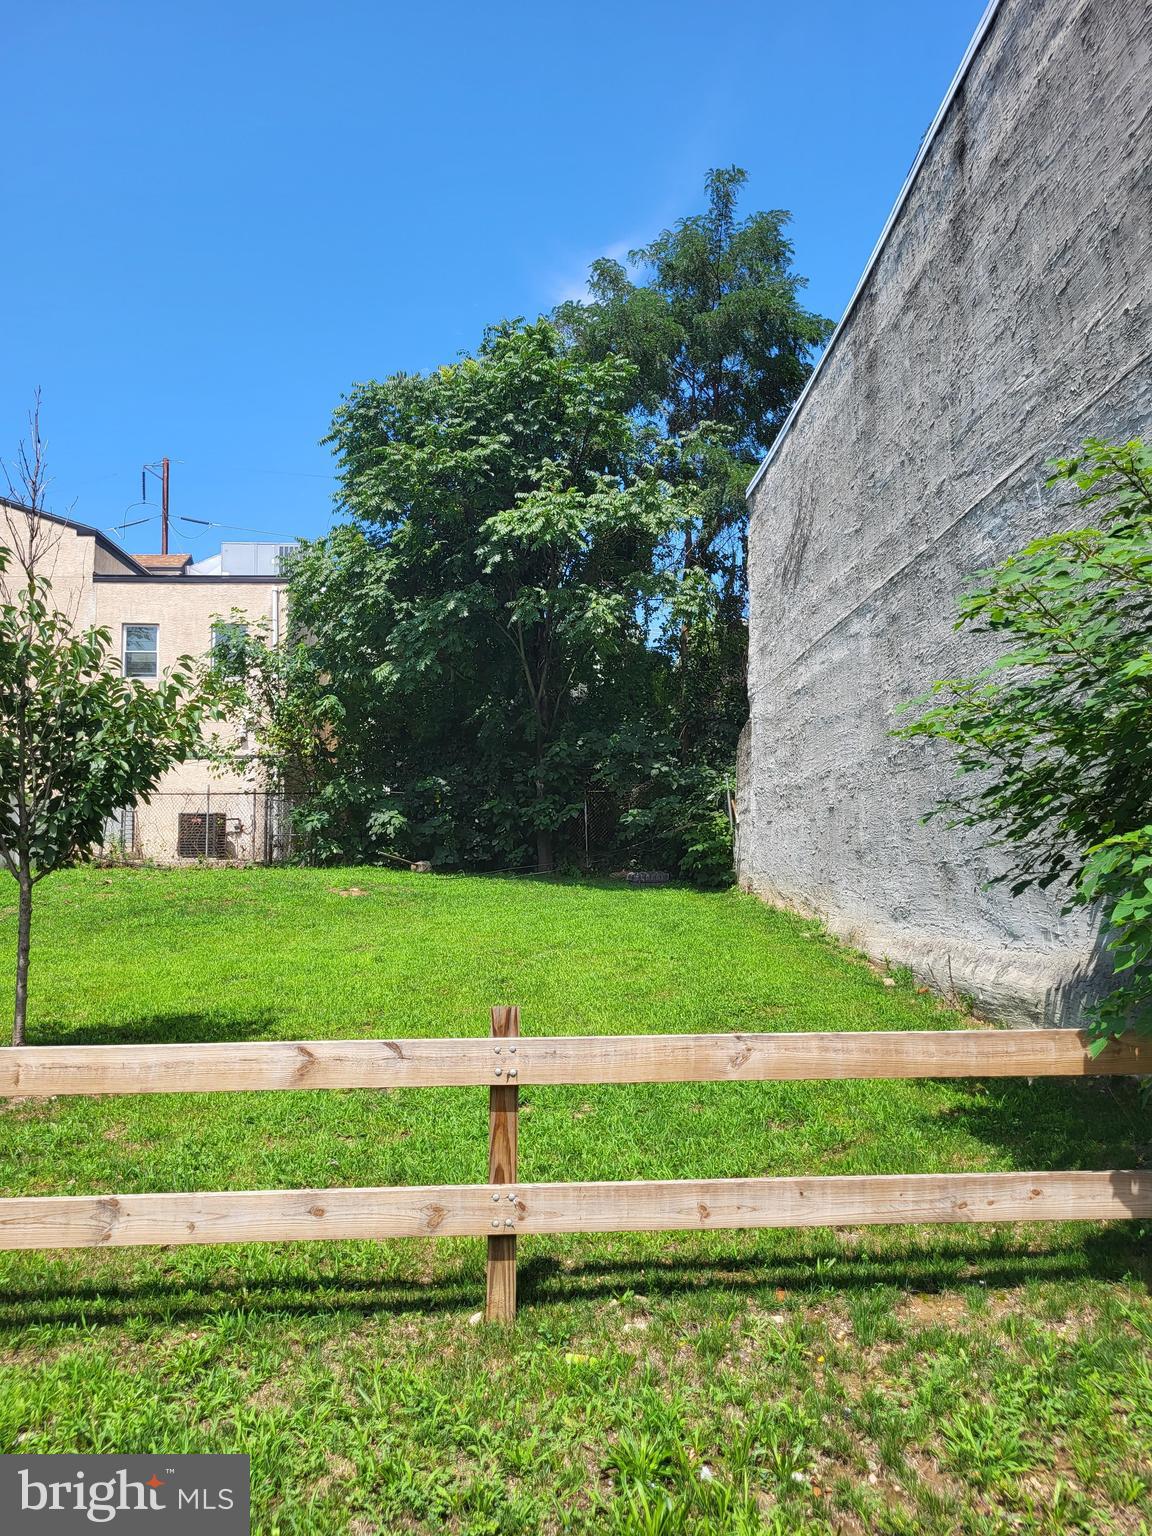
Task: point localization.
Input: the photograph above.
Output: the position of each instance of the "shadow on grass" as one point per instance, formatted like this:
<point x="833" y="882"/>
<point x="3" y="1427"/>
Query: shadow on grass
<point x="1060" y="1123"/>
<point x="1107" y="1256"/>
<point x="160" y="1029"/>
<point x="545" y="1282"/>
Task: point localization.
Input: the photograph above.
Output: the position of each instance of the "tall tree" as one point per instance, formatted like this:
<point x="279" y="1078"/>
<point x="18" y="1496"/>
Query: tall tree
<point x="713" y="321"/>
<point x="489" y="595"/>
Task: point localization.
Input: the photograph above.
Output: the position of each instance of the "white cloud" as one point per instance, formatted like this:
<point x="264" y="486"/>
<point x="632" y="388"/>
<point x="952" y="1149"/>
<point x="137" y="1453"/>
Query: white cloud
<point x="573" y="284"/>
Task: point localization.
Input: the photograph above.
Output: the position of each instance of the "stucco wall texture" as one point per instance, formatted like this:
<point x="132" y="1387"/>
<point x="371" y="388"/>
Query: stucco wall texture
<point x="1009" y="315"/>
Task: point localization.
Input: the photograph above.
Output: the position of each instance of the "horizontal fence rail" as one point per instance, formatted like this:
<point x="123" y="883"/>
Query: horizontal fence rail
<point x="504" y="1209"/>
<point x="668" y="1205"/>
<point x="35" y="1070"/>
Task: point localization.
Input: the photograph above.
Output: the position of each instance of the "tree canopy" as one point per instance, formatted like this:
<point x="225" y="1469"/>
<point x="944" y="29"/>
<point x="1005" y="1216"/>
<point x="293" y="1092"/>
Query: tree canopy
<point x="710" y="313"/>
<point x="485" y="610"/>
<point x="716" y="331"/>
<point x="538" y="589"/>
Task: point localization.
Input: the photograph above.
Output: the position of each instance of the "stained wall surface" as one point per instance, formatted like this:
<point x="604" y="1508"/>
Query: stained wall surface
<point x="1009" y="315"/>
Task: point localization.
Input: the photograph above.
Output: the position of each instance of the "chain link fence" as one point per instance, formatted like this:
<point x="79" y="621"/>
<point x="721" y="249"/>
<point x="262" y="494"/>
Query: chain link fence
<point x="209" y="825"/>
<point x="601" y="830"/>
<point x="255" y="827"/>
<point x="607" y="836"/>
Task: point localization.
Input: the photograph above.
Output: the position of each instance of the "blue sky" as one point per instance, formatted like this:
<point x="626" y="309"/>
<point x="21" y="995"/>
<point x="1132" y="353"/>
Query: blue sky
<point x="221" y="215"/>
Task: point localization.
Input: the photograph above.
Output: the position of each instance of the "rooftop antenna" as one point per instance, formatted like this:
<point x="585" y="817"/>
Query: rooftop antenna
<point x="161" y="472"/>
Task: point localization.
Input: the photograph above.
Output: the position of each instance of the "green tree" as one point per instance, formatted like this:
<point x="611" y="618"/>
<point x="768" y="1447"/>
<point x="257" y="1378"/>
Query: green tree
<point x="722" y="347"/>
<point x="488" y="606"/>
<point x="1054" y="740"/>
<point x="78" y="741"/>
<point x="278" y="703"/>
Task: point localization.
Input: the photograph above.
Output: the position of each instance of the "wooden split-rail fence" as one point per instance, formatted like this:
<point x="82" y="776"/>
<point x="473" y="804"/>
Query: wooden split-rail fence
<point x="504" y="1208"/>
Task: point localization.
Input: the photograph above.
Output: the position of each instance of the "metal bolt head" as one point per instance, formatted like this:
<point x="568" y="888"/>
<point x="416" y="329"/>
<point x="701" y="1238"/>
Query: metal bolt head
<point x="512" y="1048"/>
<point x="509" y="1222"/>
<point x="512" y="1072"/>
<point x="495" y="1221"/>
<point x="496" y="1048"/>
<point x="495" y="1197"/>
<point x="511" y="1199"/>
<point x="498" y="1070"/>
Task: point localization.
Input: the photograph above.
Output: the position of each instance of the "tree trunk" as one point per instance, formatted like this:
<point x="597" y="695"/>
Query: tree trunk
<point x="23" y="946"/>
<point x="544" y="854"/>
<point x="544" y="863"/>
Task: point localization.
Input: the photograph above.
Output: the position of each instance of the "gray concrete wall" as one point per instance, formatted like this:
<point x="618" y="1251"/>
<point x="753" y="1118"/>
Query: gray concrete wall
<point x="1008" y="316"/>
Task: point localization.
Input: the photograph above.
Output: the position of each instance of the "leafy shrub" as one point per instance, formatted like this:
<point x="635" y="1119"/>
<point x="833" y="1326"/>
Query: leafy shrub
<point x="681" y="825"/>
<point x="1054" y="740"/>
<point x="1118" y="873"/>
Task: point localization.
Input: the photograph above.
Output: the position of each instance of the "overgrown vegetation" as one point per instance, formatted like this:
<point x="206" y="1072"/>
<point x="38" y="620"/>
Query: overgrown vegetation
<point x="539" y="592"/>
<point x="488" y="614"/>
<point x="1054" y="740"/>
<point x="872" y="1382"/>
<point x="710" y="315"/>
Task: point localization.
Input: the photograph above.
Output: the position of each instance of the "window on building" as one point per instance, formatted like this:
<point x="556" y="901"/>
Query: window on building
<point x="141" y="650"/>
<point x="228" y="647"/>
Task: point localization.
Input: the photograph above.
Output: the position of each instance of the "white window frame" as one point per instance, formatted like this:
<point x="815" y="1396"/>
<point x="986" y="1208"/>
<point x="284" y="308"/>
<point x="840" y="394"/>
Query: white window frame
<point x="154" y="653"/>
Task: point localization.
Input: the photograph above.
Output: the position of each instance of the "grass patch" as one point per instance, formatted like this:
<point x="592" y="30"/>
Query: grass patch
<point x="887" y="1380"/>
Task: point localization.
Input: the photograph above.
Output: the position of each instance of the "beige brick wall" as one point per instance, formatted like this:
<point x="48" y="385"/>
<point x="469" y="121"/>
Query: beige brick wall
<point x="65" y="558"/>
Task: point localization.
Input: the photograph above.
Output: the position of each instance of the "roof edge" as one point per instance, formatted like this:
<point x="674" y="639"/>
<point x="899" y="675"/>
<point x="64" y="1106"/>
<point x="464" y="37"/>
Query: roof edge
<point x="982" y="28"/>
<point x="188" y="580"/>
<point x="82" y="529"/>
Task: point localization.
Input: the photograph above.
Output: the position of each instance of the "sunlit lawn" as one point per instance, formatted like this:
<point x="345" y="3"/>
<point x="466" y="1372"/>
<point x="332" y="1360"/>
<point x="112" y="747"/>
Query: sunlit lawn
<point x="889" y="1380"/>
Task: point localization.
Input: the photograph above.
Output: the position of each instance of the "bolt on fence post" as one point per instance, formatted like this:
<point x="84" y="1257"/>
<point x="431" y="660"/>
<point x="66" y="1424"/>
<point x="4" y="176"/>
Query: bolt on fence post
<point x="503" y="1104"/>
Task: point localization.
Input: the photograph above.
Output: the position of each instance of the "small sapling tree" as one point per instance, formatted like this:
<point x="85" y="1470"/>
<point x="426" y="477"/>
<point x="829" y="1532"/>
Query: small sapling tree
<point x="78" y="741"/>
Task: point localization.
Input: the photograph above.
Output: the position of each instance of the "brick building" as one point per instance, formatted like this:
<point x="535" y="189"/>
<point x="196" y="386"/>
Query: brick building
<point x="158" y="608"/>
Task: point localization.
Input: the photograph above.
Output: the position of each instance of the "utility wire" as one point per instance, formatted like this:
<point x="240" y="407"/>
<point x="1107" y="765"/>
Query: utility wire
<point x="200" y="521"/>
<point x="260" y="469"/>
<point x="231" y="527"/>
<point x="119" y="527"/>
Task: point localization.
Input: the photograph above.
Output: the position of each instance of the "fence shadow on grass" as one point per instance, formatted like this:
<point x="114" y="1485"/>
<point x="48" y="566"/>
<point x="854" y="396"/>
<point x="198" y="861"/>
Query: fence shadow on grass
<point x="547" y="1281"/>
<point x="1109" y="1255"/>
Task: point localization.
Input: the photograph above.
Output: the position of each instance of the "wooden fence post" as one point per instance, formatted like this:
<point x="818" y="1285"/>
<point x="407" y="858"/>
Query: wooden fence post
<point x="503" y="1103"/>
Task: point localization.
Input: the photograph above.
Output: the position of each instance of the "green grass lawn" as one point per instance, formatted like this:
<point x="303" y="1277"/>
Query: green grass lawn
<point x="889" y="1380"/>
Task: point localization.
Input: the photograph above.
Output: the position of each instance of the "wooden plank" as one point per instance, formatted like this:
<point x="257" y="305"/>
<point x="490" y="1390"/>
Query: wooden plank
<point x="503" y="1115"/>
<point x="72" y="1221"/>
<point x="251" y="1216"/>
<point x="587" y="1059"/>
<point x="676" y="1205"/>
<point x="805" y="1057"/>
<point x="244" y="1065"/>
